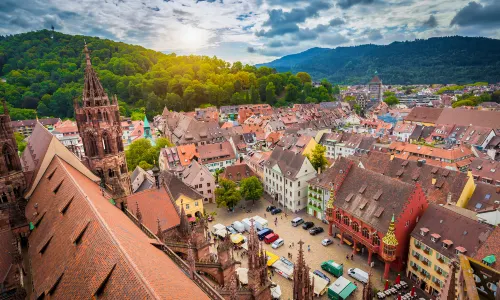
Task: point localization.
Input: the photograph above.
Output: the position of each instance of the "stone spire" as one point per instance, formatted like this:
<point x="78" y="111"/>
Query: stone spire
<point x="233" y="288"/>
<point x="367" y="288"/>
<point x="138" y="213"/>
<point x="303" y="287"/>
<point x="390" y="237"/>
<point x="93" y="92"/>
<point x="258" y="281"/>
<point x="190" y="259"/>
<point x="449" y="289"/>
<point x="159" y="231"/>
<point x="184" y="228"/>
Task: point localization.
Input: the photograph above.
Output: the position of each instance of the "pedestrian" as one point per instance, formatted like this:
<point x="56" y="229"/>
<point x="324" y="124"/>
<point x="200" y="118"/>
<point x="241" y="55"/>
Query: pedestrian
<point x="264" y="215"/>
<point x="347" y="257"/>
<point x="308" y="248"/>
<point x="281" y="217"/>
<point x="352" y="256"/>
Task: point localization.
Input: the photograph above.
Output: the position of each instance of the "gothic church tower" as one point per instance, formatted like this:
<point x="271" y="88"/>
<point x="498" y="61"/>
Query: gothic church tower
<point x="99" y="126"/>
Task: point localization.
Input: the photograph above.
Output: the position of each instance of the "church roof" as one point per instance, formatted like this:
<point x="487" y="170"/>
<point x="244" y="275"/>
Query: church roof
<point x="146" y="122"/>
<point x="83" y="246"/>
<point x="375" y="79"/>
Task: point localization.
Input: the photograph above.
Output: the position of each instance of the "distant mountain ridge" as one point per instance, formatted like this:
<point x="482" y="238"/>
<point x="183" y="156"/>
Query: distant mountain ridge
<point x="452" y="59"/>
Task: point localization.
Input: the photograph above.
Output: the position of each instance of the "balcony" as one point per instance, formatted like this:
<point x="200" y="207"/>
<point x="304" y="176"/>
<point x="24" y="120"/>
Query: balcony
<point x="415" y="267"/>
<point x="427" y="250"/>
<point x="426" y="262"/>
<point x="417" y="256"/>
<point x="441" y="259"/>
<point x="439" y="271"/>
<point x="418" y="246"/>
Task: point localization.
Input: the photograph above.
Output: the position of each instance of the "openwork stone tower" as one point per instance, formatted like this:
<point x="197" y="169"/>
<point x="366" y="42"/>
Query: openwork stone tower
<point x="98" y="122"/>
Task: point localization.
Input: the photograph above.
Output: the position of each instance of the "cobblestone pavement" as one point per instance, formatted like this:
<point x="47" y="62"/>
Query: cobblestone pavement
<point x="291" y="234"/>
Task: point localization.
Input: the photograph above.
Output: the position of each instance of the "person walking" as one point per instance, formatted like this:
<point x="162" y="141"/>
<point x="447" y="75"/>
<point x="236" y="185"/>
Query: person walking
<point x="352" y="256"/>
<point x="347" y="257"/>
<point x="308" y="248"/>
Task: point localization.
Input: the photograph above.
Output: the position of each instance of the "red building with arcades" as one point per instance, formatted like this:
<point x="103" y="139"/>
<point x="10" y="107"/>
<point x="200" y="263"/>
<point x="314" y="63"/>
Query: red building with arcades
<point x="373" y="212"/>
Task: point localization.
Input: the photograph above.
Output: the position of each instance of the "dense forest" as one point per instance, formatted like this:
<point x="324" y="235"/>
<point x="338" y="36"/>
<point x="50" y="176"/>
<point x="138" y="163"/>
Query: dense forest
<point x="435" y="60"/>
<point x="42" y="72"/>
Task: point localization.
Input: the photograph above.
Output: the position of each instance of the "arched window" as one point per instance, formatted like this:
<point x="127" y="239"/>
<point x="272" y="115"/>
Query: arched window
<point x="338" y="215"/>
<point x="4" y="198"/>
<point x="8" y="157"/>
<point x="111" y="173"/>
<point x="119" y="143"/>
<point x="355" y="226"/>
<point x="106" y="143"/>
<point x="389" y="250"/>
<point x="376" y="240"/>
<point x="99" y="116"/>
<point x="91" y="145"/>
<point x="365" y="233"/>
<point x="123" y="170"/>
<point x="346" y="220"/>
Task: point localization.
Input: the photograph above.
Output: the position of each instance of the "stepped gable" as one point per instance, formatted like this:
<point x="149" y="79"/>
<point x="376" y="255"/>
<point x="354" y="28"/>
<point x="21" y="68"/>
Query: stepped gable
<point x="83" y="246"/>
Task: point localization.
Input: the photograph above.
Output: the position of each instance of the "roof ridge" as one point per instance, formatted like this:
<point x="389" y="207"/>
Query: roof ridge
<point x="128" y="259"/>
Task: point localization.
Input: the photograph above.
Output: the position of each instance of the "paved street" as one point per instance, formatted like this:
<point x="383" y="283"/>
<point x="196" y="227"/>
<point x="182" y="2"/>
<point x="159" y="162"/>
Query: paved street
<point x="291" y="234"/>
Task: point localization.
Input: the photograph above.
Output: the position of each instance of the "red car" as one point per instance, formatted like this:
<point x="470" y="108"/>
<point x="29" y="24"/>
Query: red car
<point x="271" y="238"/>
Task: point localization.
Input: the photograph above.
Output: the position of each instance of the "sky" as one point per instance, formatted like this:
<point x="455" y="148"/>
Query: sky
<point x="253" y="31"/>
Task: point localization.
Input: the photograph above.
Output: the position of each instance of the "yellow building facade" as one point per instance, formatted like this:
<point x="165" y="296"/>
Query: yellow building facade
<point x="428" y="266"/>
<point x="192" y="207"/>
<point x="467" y="192"/>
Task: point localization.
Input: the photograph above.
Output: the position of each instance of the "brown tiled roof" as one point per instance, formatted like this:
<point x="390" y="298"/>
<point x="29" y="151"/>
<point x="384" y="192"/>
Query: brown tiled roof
<point x="412" y="171"/>
<point x="7" y="269"/>
<point x="484" y="197"/>
<point x="288" y="161"/>
<point x="154" y="204"/>
<point x="237" y="172"/>
<point x="85" y="246"/>
<point x="424" y="115"/>
<point x="392" y="194"/>
<point x="31" y="123"/>
<point x="187" y="153"/>
<point x="467" y="117"/>
<point x="491" y="247"/>
<point x="451" y="154"/>
<point x="176" y="187"/>
<point x="449" y="225"/>
<point x="483" y="169"/>
<point x="38" y="143"/>
<point x="214" y="151"/>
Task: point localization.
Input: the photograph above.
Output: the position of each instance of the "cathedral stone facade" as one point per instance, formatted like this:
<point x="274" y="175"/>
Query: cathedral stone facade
<point x="98" y="121"/>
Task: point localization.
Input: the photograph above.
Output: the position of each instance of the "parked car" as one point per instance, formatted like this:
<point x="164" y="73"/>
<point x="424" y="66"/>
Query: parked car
<point x="322" y="275"/>
<point x="358" y="274"/>
<point x="278" y="243"/>
<point x="270" y="208"/>
<point x="210" y="218"/>
<point x="326" y="242"/>
<point x="307" y="225"/>
<point x="297" y="221"/>
<point x="231" y="230"/>
<point x="276" y="211"/>
<point x="271" y="238"/>
<point x="316" y="230"/>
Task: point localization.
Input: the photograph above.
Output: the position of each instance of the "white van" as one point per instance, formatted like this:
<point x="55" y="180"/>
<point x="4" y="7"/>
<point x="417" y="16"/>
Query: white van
<point x="297" y="221"/>
<point x="358" y="274"/>
<point x="278" y="243"/>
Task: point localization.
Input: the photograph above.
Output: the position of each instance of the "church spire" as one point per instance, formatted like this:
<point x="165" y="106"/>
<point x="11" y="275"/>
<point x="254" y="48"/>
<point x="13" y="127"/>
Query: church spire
<point x="93" y="92"/>
<point x="87" y="55"/>
<point x="303" y="287"/>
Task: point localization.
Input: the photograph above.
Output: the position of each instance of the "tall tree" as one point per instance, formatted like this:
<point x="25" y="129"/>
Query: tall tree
<point x="227" y="195"/>
<point x="304" y="77"/>
<point x="318" y="158"/>
<point x="251" y="188"/>
<point x="270" y="94"/>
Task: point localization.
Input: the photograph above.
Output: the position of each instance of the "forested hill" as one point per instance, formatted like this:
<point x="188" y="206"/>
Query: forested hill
<point x="42" y="71"/>
<point x="436" y="60"/>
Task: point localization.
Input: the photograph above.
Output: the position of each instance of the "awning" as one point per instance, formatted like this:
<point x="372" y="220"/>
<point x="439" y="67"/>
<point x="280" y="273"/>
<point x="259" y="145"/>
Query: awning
<point x="237" y="238"/>
<point x="192" y="219"/>
<point x="490" y="259"/>
<point x="348" y="290"/>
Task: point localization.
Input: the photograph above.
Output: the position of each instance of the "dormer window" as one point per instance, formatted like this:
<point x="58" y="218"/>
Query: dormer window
<point x="435" y="237"/>
<point x="447" y="244"/>
<point x="460" y="250"/>
<point x="424" y="231"/>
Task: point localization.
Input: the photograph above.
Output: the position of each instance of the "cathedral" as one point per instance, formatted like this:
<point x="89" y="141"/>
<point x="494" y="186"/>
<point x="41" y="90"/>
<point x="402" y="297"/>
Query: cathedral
<point x="98" y="121"/>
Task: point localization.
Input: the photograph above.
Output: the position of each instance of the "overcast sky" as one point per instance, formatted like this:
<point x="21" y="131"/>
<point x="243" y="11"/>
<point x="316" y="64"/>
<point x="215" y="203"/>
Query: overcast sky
<point x="253" y="31"/>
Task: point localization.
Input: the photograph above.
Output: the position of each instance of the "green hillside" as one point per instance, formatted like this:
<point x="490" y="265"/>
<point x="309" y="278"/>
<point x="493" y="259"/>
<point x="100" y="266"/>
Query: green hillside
<point x="43" y="71"/>
<point x="436" y="60"/>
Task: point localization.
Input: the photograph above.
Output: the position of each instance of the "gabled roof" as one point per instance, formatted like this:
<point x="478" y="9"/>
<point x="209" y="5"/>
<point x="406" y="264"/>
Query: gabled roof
<point x="288" y="161"/>
<point x="191" y="172"/>
<point x="237" y="172"/>
<point x="489" y="248"/>
<point x="424" y="115"/>
<point x="450" y="226"/>
<point x="42" y="147"/>
<point x="484" y="197"/>
<point x="84" y="246"/>
<point x="176" y="187"/>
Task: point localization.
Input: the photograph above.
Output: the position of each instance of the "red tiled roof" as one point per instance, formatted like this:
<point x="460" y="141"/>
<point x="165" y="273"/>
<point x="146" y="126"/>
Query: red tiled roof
<point x="491" y="247"/>
<point x="85" y="244"/>
<point x="154" y="204"/>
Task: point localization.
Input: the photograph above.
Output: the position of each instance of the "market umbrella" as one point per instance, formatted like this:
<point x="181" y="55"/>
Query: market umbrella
<point x="412" y="291"/>
<point x="386" y="285"/>
<point x="398" y="279"/>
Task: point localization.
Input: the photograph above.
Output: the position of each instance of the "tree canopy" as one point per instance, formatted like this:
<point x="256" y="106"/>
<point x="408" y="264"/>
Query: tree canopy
<point x="45" y="74"/>
<point x="227" y="194"/>
<point x="143" y="154"/>
<point x="391" y="100"/>
<point x="318" y="158"/>
<point x="251" y="188"/>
